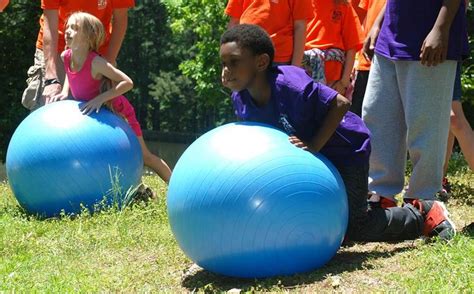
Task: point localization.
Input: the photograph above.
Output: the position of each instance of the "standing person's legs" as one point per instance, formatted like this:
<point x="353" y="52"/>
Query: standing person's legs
<point x="32" y="96"/>
<point x="382" y="112"/>
<point x="362" y="77"/>
<point x="426" y="91"/>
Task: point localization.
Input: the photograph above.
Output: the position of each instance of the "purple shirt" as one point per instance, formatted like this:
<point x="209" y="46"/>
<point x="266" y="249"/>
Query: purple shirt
<point x="408" y="22"/>
<point x="298" y="106"/>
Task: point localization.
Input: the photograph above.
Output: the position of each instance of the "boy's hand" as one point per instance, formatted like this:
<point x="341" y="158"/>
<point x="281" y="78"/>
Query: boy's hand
<point x="298" y="143"/>
<point x="435" y="47"/>
<point x="92" y="105"/>
<point x="58" y="97"/>
<point x="369" y="43"/>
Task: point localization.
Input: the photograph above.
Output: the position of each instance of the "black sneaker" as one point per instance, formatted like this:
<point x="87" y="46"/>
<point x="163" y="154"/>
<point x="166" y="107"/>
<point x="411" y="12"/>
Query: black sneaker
<point x="437" y="221"/>
<point x="144" y="193"/>
<point x="445" y="193"/>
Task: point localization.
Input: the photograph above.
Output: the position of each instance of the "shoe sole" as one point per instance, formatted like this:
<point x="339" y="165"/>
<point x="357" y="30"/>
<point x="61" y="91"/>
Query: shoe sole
<point x="446" y="217"/>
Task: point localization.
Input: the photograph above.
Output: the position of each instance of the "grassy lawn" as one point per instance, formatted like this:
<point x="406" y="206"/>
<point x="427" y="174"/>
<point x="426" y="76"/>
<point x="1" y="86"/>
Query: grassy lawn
<point x="134" y="251"/>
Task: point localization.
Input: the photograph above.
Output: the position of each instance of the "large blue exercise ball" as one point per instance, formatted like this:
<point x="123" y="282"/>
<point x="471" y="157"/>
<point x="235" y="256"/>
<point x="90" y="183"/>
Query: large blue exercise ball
<point x="244" y="202"/>
<point x="61" y="160"/>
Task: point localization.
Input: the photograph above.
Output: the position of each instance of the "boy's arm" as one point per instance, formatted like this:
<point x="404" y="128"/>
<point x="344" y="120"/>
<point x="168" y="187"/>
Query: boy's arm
<point x="119" y="28"/>
<point x="435" y="47"/>
<point x="369" y="43"/>
<point x="341" y="85"/>
<point x="299" y="40"/>
<point x="50" y="50"/>
<point x="337" y="109"/>
<point x="121" y="84"/>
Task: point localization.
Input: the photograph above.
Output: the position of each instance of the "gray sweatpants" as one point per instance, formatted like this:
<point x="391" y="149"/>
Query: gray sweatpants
<point x="407" y="106"/>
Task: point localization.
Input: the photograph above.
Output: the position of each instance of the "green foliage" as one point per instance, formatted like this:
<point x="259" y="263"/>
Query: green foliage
<point x="18" y="32"/>
<point x="206" y="20"/>
<point x="195" y="102"/>
<point x="146" y="51"/>
<point x="468" y="72"/>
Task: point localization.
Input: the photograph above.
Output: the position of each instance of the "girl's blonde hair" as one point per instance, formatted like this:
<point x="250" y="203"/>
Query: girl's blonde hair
<point x="91" y="27"/>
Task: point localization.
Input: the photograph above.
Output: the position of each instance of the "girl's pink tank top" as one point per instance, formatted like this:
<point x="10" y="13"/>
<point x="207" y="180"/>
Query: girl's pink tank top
<point x="83" y="86"/>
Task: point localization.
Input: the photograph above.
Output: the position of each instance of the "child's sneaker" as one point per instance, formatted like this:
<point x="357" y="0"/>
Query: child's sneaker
<point x="377" y="200"/>
<point x="437" y="222"/>
<point x="144" y="193"/>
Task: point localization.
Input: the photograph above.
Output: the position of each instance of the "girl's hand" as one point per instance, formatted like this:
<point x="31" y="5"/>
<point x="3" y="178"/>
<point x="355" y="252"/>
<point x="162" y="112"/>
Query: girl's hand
<point x="92" y="105"/>
<point x="340" y="86"/>
<point x="298" y="143"/>
<point x="58" y="97"/>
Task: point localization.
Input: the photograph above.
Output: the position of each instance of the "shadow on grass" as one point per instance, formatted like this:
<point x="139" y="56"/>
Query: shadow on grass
<point x="344" y="261"/>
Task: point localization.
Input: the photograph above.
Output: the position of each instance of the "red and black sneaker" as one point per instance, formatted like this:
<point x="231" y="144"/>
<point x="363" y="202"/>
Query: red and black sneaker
<point x="437" y="221"/>
<point x="384" y="202"/>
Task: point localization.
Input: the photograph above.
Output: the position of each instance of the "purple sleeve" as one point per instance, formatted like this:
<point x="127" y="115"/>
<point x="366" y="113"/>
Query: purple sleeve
<point x="321" y="97"/>
<point x="237" y="103"/>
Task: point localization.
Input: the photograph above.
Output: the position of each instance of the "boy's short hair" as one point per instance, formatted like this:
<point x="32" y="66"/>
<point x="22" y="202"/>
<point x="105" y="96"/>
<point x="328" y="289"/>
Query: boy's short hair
<point x="251" y="37"/>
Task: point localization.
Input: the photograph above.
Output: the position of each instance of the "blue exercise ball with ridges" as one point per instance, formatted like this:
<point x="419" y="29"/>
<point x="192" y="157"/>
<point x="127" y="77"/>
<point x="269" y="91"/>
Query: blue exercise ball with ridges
<point x="244" y="202"/>
<point x="61" y="160"/>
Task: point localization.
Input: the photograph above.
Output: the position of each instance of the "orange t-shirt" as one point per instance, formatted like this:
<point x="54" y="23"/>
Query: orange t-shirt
<point x="361" y="12"/>
<point x="102" y="9"/>
<point x="274" y="16"/>
<point x="334" y="26"/>
<point x="373" y="8"/>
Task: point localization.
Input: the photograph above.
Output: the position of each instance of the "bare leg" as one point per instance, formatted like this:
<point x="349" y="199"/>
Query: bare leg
<point x="462" y="130"/>
<point x="152" y="161"/>
<point x="449" y="150"/>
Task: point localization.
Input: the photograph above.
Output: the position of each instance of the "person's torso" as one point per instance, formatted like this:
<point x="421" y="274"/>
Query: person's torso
<point x="82" y="84"/>
<point x="291" y="112"/>
<point x="325" y="29"/>
<point x="102" y="9"/>
<point x="407" y="23"/>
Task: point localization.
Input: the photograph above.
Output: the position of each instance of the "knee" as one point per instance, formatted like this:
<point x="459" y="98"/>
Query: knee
<point x="456" y="123"/>
<point x="147" y="157"/>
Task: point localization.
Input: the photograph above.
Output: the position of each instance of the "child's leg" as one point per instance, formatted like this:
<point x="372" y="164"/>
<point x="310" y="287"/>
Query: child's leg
<point x="122" y="106"/>
<point x="377" y="224"/>
<point x="382" y="112"/>
<point x="157" y="164"/>
<point x="449" y="151"/>
<point x="462" y="130"/>
<point x="426" y="94"/>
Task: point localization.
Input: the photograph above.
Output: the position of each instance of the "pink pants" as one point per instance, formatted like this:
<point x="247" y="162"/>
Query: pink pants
<point x="123" y="107"/>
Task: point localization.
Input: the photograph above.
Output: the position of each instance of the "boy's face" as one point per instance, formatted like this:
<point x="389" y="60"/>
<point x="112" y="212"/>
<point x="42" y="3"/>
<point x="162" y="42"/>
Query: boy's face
<point x="239" y="66"/>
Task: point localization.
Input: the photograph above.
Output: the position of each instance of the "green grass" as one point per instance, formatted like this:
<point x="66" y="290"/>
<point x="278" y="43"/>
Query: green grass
<point x="133" y="250"/>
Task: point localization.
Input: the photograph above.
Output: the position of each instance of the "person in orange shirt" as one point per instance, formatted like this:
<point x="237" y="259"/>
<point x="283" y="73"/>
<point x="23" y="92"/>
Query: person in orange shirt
<point x="333" y="37"/>
<point x="46" y="76"/>
<point x="373" y="8"/>
<point x="284" y="20"/>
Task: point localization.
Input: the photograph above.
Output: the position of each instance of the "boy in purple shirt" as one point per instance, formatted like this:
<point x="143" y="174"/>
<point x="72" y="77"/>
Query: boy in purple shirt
<point x="315" y="117"/>
<point x="407" y="101"/>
